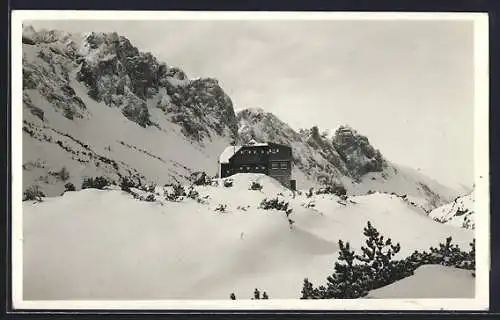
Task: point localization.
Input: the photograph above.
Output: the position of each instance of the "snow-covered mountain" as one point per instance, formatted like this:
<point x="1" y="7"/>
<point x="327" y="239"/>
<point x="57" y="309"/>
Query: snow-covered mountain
<point x="96" y="105"/>
<point x="93" y="104"/>
<point x="346" y="157"/>
<point x="459" y="213"/>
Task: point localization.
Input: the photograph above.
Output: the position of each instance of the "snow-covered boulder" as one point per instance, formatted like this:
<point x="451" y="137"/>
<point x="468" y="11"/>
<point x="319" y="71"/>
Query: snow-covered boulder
<point x="430" y="282"/>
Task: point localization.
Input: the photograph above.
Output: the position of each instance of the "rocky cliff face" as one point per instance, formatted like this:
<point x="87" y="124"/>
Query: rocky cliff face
<point x="315" y="158"/>
<point x="98" y="105"/>
<point x="119" y="75"/>
<point x="347" y="154"/>
<point x="359" y="156"/>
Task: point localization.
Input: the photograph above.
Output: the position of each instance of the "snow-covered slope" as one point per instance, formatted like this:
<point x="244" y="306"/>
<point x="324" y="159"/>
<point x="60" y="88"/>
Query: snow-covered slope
<point x="346" y="157"/>
<point x="458" y="213"/>
<point x="94" y="104"/>
<point x="430" y="282"/>
<point x="104" y="244"/>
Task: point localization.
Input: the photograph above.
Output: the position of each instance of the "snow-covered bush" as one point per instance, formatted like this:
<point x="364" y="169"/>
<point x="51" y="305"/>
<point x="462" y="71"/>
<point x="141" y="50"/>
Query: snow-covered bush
<point x="69" y="187"/>
<point x="200" y="178"/>
<point x="176" y="193"/>
<point x="228" y="183"/>
<point x="256" y="295"/>
<point x="151" y="187"/>
<point x="33" y="193"/>
<point x="193" y="194"/>
<point x="97" y="182"/>
<point x="150" y="198"/>
<point x="221" y="208"/>
<point x="310" y="192"/>
<point x="255" y="186"/>
<point x="268" y="204"/>
<point x="62" y="175"/>
<point x="336" y="189"/>
<point x="447" y="254"/>
<point x="126" y="183"/>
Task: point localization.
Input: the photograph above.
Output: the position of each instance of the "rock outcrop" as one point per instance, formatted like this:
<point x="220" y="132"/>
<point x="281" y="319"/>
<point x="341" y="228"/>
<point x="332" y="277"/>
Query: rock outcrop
<point x="357" y="153"/>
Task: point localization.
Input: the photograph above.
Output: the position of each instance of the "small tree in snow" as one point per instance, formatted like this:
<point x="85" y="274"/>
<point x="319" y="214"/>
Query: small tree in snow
<point x="126" y="183"/>
<point x="69" y="187"/>
<point x="33" y="193"/>
<point x="255" y="186"/>
<point x="310" y="192"/>
<point x="221" y="208"/>
<point x="256" y="294"/>
<point x="97" y="183"/>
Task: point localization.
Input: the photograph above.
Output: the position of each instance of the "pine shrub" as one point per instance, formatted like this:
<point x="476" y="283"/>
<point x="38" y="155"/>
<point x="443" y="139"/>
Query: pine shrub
<point x="256" y="295"/>
<point x="277" y="204"/>
<point x="69" y="187"/>
<point x="221" y="208"/>
<point x="336" y="189"/>
<point x="193" y="194"/>
<point x="62" y="175"/>
<point x="126" y="183"/>
<point x="33" y="193"/>
<point x="310" y="193"/>
<point x="200" y="178"/>
<point x="255" y="186"/>
<point x="356" y="274"/>
<point x="96" y="183"/>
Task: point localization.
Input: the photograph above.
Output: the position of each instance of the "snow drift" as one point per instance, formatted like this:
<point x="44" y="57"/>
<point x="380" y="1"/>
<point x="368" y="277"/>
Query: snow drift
<point x="460" y="212"/>
<point x="104" y="244"/>
<point x="430" y="282"/>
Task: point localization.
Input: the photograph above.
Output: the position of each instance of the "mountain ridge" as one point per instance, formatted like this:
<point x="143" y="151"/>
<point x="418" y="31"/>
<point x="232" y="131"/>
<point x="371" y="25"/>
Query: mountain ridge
<point x="166" y="126"/>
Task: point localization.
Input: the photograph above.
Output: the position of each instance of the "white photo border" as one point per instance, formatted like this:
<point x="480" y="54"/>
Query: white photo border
<point x="481" y="167"/>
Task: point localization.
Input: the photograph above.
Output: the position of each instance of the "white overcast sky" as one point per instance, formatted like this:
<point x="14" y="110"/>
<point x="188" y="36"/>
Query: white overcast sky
<point x="407" y="85"/>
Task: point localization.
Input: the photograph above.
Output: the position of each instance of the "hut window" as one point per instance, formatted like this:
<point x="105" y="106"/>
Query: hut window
<point x="283" y="165"/>
<point x="275" y="165"/>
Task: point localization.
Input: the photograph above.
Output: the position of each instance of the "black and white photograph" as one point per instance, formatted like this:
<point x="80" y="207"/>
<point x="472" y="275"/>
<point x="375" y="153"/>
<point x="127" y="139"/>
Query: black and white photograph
<point x="250" y="160"/>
